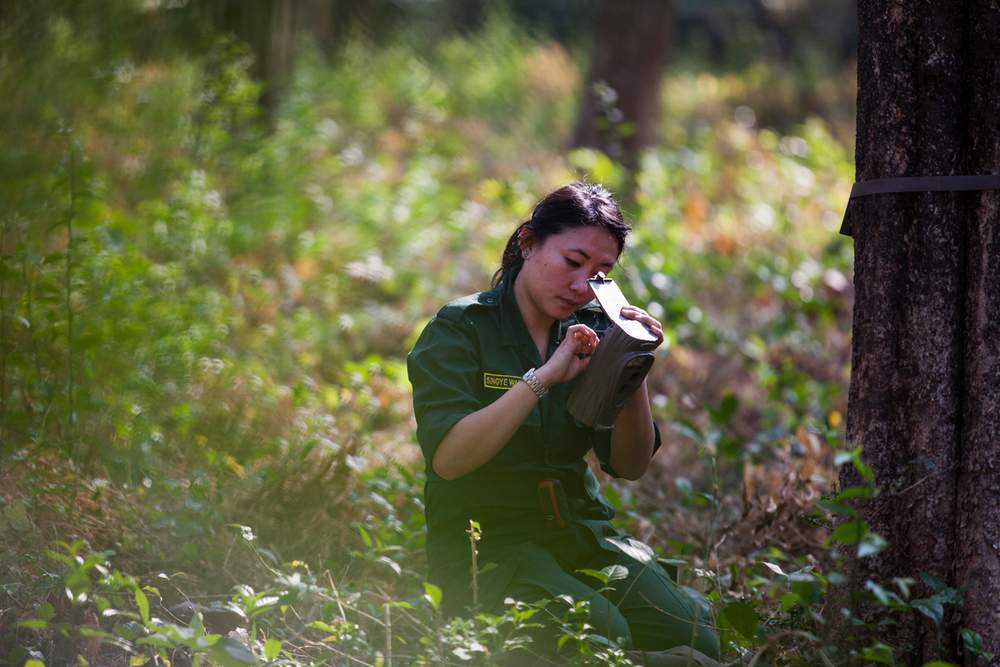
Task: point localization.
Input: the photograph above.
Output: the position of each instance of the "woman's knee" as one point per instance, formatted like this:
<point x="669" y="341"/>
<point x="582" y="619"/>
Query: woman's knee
<point x="608" y="621"/>
<point x="663" y="615"/>
<point x="655" y="629"/>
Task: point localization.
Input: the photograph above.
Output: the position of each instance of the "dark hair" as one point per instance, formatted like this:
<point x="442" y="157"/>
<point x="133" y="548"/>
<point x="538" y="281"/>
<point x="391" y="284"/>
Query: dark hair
<point x="577" y="204"/>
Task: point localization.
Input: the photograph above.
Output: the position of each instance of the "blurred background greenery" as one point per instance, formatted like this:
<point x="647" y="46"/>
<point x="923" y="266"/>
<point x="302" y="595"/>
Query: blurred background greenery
<point x="224" y="222"/>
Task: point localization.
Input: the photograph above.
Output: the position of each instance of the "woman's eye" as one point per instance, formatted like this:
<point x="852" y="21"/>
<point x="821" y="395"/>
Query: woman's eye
<point x="571" y="263"/>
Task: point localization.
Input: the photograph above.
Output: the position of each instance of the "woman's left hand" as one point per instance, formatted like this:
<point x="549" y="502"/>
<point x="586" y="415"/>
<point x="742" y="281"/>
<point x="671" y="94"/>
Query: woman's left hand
<point x="640" y="315"/>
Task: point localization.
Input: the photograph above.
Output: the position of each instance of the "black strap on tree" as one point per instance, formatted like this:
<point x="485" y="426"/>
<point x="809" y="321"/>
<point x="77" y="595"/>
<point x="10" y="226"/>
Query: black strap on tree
<point x="882" y="186"/>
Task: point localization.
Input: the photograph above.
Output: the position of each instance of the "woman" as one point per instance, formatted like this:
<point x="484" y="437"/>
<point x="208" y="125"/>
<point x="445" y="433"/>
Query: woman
<point x="491" y="375"/>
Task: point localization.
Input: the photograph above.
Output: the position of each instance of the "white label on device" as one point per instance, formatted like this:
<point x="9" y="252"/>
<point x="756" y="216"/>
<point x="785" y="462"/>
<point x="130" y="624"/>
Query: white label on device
<point x="612" y="301"/>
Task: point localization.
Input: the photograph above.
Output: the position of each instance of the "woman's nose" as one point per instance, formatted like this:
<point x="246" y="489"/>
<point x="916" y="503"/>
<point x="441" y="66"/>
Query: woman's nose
<point x="581" y="286"/>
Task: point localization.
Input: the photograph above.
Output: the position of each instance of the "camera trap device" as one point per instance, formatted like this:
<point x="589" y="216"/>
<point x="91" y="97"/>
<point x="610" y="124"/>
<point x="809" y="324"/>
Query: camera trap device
<point x="619" y="365"/>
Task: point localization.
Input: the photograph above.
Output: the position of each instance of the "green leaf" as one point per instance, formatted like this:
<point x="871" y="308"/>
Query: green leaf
<point x="95" y="632"/>
<point x="33" y="624"/>
<point x="883" y="596"/>
<point x="633" y="548"/>
<point x="806" y="586"/>
<point x="938" y="663"/>
<point x="931" y="608"/>
<point x="596" y="574"/>
<point x="863" y="468"/>
<point x="393" y="565"/>
<point x="615" y="572"/>
<point x="365" y="537"/>
<point x="936" y="584"/>
<point x="774" y="567"/>
<point x="871" y="544"/>
<point x="230" y="653"/>
<point x="849" y="532"/>
<point x="34" y="663"/>
<point x="789" y="600"/>
<point x="879" y="653"/>
<point x="903" y="584"/>
<point x="852" y="492"/>
<point x="742" y="617"/>
<point x="833" y="507"/>
<point x="322" y="625"/>
<point x="432" y="594"/>
<point x="727" y="408"/>
<point x="272" y="647"/>
<point x="143" y="604"/>
<point x="972" y="640"/>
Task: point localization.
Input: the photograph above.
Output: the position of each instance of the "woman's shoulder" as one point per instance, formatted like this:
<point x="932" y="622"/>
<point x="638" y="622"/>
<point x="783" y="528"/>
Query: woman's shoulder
<point x="456" y="309"/>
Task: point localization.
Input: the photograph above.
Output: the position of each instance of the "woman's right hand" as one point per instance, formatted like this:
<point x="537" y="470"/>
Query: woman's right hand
<point x="565" y="364"/>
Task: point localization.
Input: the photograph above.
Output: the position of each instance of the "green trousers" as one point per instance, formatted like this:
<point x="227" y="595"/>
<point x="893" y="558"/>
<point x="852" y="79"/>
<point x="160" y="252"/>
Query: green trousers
<point x="646" y="610"/>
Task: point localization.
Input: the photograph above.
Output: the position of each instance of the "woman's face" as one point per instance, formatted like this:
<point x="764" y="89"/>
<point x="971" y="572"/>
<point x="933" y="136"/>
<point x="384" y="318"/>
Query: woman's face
<point x="555" y="272"/>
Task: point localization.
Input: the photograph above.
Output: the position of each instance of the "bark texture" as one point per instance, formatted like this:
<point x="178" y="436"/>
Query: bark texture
<point x="977" y="560"/>
<point x="924" y="399"/>
<point x="621" y="103"/>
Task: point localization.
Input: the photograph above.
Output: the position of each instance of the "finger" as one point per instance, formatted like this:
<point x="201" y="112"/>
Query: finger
<point x="581" y="335"/>
<point x="638" y="314"/>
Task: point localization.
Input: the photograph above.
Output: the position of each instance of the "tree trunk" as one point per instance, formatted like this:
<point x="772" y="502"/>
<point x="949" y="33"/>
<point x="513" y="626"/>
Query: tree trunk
<point x="620" y="109"/>
<point x="925" y="387"/>
<point x="978" y="520"/>
<point x="271" y="29"/>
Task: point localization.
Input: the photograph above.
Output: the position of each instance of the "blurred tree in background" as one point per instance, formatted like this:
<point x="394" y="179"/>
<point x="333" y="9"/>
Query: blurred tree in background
<point x="620" y="110"/>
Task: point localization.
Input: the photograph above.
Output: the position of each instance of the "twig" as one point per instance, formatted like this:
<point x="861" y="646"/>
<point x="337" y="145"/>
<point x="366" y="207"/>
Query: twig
<point x="3" y="334"/>
<point x="71" y="213"/>
<point x="336" y="596"/>
<point x="388" y="635"/>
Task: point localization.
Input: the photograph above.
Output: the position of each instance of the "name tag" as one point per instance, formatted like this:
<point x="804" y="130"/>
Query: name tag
<point x="501" y="382"/>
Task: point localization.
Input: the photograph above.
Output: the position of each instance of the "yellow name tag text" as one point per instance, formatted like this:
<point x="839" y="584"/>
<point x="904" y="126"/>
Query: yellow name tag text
<point x="501" y="382"/>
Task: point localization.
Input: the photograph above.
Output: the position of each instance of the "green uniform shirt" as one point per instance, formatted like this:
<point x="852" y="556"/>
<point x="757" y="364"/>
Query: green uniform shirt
<point x="469" y="354"/>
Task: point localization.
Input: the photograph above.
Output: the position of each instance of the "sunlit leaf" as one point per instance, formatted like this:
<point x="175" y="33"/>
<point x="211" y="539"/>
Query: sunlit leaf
<point x="774" y="567"/>
<point x="393" y="565"/>
<point x="143" y="604"/>
<point x="272" y="647"/>
<point x="433" y="594"/>
<point x="633" y="548"/>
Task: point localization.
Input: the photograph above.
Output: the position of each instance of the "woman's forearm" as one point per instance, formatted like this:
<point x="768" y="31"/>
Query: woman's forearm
<point x="480" y="435"/>
<point x="633" y="438"/>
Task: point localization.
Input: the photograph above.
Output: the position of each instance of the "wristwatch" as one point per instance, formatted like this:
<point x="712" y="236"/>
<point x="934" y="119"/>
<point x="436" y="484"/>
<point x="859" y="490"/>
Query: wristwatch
<point x="536" y="385"/>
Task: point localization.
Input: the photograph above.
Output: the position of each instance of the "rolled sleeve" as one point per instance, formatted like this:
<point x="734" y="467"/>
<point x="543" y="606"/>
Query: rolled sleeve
<point x="443" y="367"/>
<point x="602" y="447"/>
